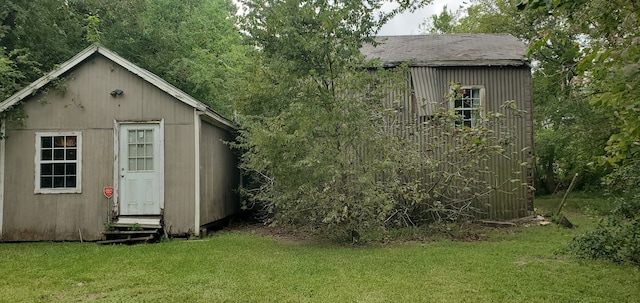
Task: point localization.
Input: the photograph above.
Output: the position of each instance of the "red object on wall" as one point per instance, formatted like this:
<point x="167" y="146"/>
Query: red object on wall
<point x="108" y="191"/>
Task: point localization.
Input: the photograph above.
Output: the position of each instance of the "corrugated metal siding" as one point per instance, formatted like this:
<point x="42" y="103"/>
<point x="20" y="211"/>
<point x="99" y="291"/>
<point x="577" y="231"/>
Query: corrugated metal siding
<point x="511" y="199"/>
<point x="86" y="106"/>
<point x="219" y="175"/>
<point x="429" y="88"/>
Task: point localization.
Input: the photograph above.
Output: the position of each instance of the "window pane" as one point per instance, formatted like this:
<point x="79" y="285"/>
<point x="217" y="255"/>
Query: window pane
<point x="58" y="154"/>
<point x="149" y="164"/>
<point x="46" y="182"/>
<point x="47" y="154"/>
<point x="46" y="142"/>
<point x="140" y="150"/>
<point x="70" y="169"/>
<point x="58" y="169"/>
<point x="140" y="164"/>
<point x="70" y="141"/>
<point x="58" y="182"/>
<point x="71" y="154"/>
<point x="71" y="181"/>
<point x="132" y="165"/>
<point x="149" y="150"/>
<point x="58" y="141"/>
<point x="148" y="135"/>
<point x="132" y="150"/>
<point x="132" y="136"/>
<point x="467" y="114"/>
<point x="458" y="103"/>
<point x="140" y="136"/>
<point x="46" y="169"/>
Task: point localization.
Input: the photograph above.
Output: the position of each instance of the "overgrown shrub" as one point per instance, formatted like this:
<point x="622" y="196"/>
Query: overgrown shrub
<point x="351" y="185"/>
<point x="322" y="134"/>
<point x="614" y="239"/>
<point x="446" y="177"/>
<point x="617" y="238"/>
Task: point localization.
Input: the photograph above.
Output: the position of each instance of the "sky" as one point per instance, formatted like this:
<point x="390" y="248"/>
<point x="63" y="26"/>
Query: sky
<point x="409" y="23"/>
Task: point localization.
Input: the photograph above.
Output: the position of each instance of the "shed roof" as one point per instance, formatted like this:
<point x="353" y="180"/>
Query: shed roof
<point x="141" y="72"/>
<point x="449" y="50"/>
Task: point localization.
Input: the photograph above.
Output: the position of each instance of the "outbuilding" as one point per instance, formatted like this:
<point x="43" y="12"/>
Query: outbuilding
<point x="489" y="70"/>
<point x="101" y="141"/>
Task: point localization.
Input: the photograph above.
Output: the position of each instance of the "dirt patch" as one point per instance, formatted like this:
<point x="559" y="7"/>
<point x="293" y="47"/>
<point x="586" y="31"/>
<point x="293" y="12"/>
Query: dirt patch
<point x="466" y="233"/>
<point x="531" y="221"/>
<point x="281" y="234"/>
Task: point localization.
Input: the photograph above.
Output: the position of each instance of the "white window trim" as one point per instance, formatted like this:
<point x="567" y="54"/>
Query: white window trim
<point x="78" y="188"/>
<point x="483" y="101"/>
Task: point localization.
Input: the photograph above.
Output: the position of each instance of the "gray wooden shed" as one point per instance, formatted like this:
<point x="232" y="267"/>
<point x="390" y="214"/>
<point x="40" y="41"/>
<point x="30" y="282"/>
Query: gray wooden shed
<point x="492" y="69"/>
<point x="99" y="122"/>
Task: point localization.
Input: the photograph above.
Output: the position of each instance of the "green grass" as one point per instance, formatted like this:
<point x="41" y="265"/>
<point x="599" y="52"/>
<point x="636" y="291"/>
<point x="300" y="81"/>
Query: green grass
<point x="240" y="267"/>
<point x="577" y="203"/>
<point x="582" y="209"/>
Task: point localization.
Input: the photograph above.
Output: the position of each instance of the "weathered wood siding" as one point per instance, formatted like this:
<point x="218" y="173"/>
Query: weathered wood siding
<point x="86" y="106"/>
<point x="431" y="84"/>
<point x="219" y="175"/>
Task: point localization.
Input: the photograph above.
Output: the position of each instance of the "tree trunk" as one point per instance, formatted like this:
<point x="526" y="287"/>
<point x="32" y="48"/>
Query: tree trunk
<point x="551" y="178"/>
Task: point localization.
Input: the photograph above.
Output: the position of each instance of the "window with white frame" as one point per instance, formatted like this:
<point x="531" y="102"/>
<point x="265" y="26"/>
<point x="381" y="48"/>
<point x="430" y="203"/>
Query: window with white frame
<point x="58" y="162"/>
<point x="468" y="104"/>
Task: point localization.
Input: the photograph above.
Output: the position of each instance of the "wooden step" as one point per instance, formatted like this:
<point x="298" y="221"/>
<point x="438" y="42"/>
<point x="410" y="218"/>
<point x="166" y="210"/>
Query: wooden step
<point x="133" y="229"/>
<point x="130" y="232"/>
<point x="138" y="220"/>
<point x="127" y="240"/>
<point x="144" y="226"/>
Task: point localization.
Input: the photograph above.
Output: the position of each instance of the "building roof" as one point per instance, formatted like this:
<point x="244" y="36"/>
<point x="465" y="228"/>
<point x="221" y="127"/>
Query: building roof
<point x="449" y="50"/>
<point x="141" y="72"/>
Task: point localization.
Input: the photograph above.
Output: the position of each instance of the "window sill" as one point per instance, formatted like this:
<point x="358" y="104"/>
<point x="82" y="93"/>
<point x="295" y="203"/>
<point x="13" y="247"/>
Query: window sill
<point x="51" y="191"/>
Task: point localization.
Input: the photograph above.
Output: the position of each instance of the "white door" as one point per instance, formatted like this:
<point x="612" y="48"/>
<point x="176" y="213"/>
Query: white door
<point x="141" y="169"/>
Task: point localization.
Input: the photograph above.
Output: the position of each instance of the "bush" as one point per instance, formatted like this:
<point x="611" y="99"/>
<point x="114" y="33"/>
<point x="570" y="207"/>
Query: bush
<point x="617" y="237"/>
<point x="355" y="188"/>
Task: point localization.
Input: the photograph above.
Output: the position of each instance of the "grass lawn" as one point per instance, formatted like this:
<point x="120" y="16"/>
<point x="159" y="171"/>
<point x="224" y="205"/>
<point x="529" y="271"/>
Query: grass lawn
<point x="520" y="266"/>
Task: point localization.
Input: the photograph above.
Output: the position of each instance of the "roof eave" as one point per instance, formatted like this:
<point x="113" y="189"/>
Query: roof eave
<point x="459" y="63"/>
<point x="218" y="120"/>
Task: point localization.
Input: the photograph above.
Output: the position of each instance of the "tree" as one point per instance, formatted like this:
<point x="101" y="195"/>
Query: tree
<point x="312" y="113"/>
<point x="35" y="37"/>
<point x="608" y="69"/>
<point x="319" y="141"/>
<point x="606" y="76"/>
<point x="482" y="16"/>
<point x="194" y="45"/>
<point x="440" y="24"/>
<point x="562" y="113"/>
